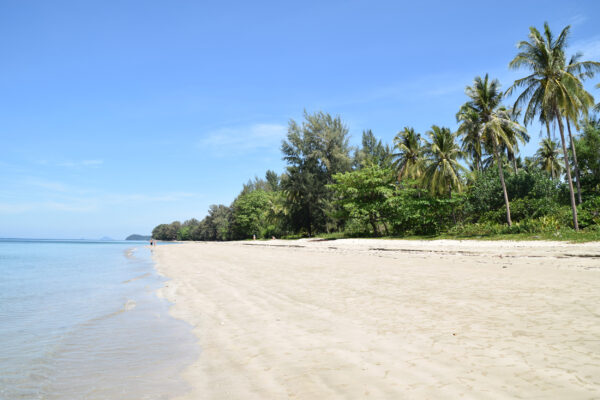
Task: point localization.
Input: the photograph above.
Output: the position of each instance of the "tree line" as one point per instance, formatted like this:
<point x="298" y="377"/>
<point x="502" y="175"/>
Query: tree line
<point x="469" y="182"/>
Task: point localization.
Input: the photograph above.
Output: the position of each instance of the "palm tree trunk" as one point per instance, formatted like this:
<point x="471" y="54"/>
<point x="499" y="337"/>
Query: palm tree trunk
<point x="499" y="162"/>
<point x="513" y="159"/>
<point x="548" y="130"/>
<point x="568" y="168"/>
<point x="476" y="166"/>
<point x="575" y="163"/>
<point x="401" y="173"/>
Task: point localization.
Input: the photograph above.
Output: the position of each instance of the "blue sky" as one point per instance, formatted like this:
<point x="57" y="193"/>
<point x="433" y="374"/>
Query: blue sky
<point x="117" y="116"/>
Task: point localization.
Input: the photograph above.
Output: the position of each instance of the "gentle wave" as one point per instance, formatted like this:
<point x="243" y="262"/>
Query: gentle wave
<point x="71" y="328"/>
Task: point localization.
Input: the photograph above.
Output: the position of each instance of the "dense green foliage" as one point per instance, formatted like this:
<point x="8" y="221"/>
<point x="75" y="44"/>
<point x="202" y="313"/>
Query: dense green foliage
<point x="468" y="183"/>
<point x="314" y="152"/>
<point x="554" y="90"/>
<point x="588" y="155"/>
<point x="363" y="196"/>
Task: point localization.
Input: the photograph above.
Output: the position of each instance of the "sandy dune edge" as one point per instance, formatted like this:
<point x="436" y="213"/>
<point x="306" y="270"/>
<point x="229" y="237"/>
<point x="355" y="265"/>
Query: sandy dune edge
<point x="383" y="319"/>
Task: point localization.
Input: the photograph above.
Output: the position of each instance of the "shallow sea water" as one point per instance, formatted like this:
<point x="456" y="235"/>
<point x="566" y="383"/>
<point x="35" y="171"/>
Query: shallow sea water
<point x="81" y="320"/>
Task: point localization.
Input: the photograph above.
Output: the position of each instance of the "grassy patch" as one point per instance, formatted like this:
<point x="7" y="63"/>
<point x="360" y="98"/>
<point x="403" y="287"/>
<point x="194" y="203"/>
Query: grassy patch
<point x="565" y="235"/>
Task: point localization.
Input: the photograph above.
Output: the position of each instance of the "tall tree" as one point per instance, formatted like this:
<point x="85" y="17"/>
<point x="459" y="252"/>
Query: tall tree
<point x="551" y="88"/>
<point x="373" y="151"/>
<point x="314" y="151"/>
<point x="548" y="157"/>
<point x="588" y="150"/>
<point x="408" y="159"/>
<point x="573" y="113"/>
<point x="514" y="136"/>
<point x="249" y="214"/>
<point x="363" y="195"/>
<point x="546" y="118"/>
<point x="218" y="221"/>
<point x="470" y="132"/>
<point x="273" y="180"/>
<point x="442" y="167"/>
<point x="497" y="127"/>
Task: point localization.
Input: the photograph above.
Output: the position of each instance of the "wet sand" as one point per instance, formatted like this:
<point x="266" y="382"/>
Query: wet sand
<point x="388" y="319"/>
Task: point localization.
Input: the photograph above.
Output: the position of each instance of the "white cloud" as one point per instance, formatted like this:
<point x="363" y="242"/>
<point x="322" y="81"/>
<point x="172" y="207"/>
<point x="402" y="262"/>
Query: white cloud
<point x="237" y="140"/>
<point x="444" y="90"/>
<point x="55" y="196"/>
<point x="92" y="162"/>
<point x="589" y="47"/>
<point x="75" y="205"/>
<point x="70" y="206"/>
<point x="81" y="163"/>
<point x="577" y="19"/>
<point x="426" y="87"/>
<point x="154" y="198"/>
<point x="15" y="208"/>
<point x="48" y="185"/>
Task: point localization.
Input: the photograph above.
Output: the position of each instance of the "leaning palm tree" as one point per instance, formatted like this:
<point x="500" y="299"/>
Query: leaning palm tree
<point x="548" y="158"/>
<point x="597" y="107"/>
<point x="550" y="88"/>
<point x="408" y="160"/>
<point x="442" y="170"/>
<point x="498" y="129"/>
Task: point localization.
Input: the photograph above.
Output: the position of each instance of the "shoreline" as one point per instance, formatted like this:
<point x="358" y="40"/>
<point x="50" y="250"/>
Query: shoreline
<point x="82" y="320"/>
<point x="356" y="318"/>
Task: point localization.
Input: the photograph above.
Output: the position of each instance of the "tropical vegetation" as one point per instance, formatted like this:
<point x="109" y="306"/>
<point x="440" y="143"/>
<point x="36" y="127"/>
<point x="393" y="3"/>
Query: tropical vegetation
<point x="472" y="182"/>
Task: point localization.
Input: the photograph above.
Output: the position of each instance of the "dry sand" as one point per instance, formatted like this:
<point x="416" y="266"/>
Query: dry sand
<point x="385" y="319"/>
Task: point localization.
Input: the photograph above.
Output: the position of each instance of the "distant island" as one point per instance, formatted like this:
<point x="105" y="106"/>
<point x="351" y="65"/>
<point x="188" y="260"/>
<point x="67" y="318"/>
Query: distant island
<point x="138" y="237"/>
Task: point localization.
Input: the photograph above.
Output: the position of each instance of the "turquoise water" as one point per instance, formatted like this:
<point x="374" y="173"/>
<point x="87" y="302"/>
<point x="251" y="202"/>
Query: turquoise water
<point x="81" y="320"/>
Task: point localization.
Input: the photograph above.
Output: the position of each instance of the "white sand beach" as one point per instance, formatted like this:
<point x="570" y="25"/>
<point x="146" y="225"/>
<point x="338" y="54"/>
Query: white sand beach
<point x="388" y="319"/>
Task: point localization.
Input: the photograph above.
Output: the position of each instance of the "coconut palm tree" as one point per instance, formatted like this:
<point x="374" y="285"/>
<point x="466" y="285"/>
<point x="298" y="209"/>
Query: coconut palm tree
<point x="548" y="158"/>
<point x="442" y="168"/>
<point x="573" y="113"/>
<point x="546" y="118"/>
<point x="408" y="160"/>
<point x="496" y="124"/>
<point x="550" y="88"/>
<point x="470" y="133"/>
<point x="529" y="163"/>
<point x="514" y="136"/>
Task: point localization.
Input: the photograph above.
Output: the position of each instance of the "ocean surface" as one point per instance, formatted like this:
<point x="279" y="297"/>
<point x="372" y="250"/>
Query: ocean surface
<point x="81" y="320"/>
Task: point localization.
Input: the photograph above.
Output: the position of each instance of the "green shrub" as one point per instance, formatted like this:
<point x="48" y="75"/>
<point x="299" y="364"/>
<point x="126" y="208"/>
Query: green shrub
<point x="531" y="194"/>
<point x="476" y="229"/>
<point x="522" y="209"/>
<point x="589" y="212"/>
